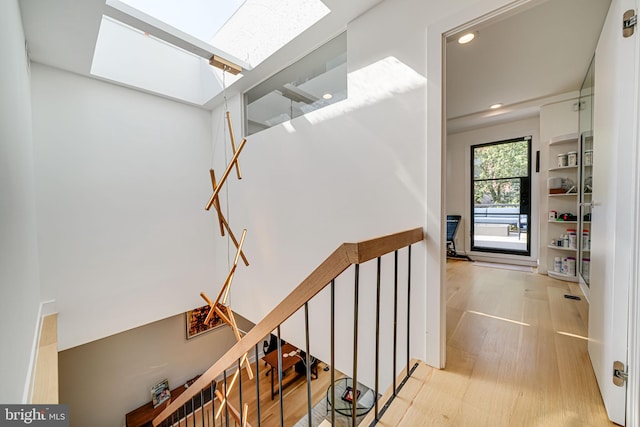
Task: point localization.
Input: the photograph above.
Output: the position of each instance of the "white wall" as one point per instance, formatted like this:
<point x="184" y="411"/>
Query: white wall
<point x="352" y="171"/>
<point x="361" y="168"/>
<point x="122" y="182"/>
<point x="104" y="380"/>
<point x="19" y="283"/>
<point x="556" y="119"/>
<point x="122" y="171"/>
<point x="459" y="178"/>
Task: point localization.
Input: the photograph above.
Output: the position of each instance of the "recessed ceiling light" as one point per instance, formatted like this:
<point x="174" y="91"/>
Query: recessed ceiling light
<point x="495" y="106"/>
<point x="466" y="38"/>
<point x="327" y="96"/>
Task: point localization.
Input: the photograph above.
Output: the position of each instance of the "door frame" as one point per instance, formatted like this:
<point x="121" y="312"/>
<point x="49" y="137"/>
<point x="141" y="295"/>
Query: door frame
<point x="633" y="358"/>
<point x="436" y="131"/>
<point x="487" y="250"/>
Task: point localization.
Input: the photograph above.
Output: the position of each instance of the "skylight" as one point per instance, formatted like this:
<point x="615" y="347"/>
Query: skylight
<point x="262" y="27"/>
<point x="199" y="18"/>
<point x="163" y="46"/>
<point x="129" y="56"/>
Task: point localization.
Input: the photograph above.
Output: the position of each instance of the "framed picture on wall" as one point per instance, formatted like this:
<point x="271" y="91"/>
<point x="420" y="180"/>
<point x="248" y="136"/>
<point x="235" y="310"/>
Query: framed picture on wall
<point x="160" y="393"/>
<point x="195" y="321"/>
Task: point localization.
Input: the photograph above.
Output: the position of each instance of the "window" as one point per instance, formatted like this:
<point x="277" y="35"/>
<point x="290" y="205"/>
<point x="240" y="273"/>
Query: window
<point x="164" y="46"/>
<point x="500" y="197"/>
<point x="315" y="81"/>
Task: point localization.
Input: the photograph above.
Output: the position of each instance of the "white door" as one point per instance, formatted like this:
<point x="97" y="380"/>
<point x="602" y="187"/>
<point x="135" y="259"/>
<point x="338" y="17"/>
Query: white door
<point x="615" y="145"/>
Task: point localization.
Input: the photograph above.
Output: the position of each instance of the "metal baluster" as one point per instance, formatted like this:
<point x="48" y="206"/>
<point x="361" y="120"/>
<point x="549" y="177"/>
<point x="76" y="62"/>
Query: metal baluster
<point x="226" y="400"/>
<point x="202" y="406"/>
<point x="280" y="379"/>
<point x="354" y="400"/>
<point x="240" y="408"/>
<point x="377" y="335"/>
<point x="193" y="411"/>
<point x="408" y="307"/>
<point x="184" y="408"/>
<point x="308" y="359"/>
<point x="333" y="352"/>
<point x="257" y="376"/>
<point x="213" y="387"/>
<point x="395" y="318"/>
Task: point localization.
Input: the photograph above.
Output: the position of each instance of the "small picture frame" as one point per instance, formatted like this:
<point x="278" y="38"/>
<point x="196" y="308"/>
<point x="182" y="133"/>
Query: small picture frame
<point x="160" y="393"/>
<point x="347" y="396"/>
<point x="195" y="321"/>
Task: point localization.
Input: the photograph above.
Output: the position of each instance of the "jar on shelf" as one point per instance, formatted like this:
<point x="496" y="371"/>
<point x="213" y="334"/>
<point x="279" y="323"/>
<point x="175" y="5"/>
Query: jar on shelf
<point x="588" y="157"/>
<point x="586" y="263"/>
<point x="557" y="264"/>
<point x="586" y="242"/>
<point x="563" y="160"/>
<point x="573" y="238"/>
<point x="572" y="158"/>
<point x="560" y="241"/>
<point x="571" y="266"/>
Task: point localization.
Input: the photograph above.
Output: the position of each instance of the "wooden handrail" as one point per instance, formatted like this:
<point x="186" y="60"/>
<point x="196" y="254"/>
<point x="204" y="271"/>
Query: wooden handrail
<point x="332" y="267"/>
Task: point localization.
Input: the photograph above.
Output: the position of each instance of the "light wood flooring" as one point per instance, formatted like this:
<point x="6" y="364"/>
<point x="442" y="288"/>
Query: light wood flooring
<point x="45" y="387"/>
<point x="516" y="356"/>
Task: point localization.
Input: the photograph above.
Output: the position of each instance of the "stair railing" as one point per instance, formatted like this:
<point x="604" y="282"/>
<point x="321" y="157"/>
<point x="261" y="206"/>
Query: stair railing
<point x="185" y="407"/>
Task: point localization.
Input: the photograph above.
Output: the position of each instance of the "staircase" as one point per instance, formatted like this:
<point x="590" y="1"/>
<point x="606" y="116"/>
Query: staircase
<point x="225" y="375"/>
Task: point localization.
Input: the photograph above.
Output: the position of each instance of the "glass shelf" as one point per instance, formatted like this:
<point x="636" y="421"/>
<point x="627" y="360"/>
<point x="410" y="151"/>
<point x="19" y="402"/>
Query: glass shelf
<point x="560" y="168"/>
<point x="570" y="138"/>
<point x="562" y="248"/>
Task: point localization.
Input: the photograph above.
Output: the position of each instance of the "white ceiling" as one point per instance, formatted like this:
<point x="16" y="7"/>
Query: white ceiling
<point x="63" y="34"/>
<point x="520" y="60"/>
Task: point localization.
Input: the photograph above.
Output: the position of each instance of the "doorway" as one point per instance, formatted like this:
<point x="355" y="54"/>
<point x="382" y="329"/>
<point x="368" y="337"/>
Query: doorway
<point x="486" y="116"/>
<point x="501" y="197"/>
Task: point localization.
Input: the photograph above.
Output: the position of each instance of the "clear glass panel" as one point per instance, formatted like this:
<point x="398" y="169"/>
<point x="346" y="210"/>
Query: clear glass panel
<point x="586" y="172"/>
<point x="128" y="51"/>
<point x="501" y="160"/>
<point x="494" y="192"/>
<point x="501" y="192"/>
<point x="317" y="80"/>
<point x="199" y="18"/>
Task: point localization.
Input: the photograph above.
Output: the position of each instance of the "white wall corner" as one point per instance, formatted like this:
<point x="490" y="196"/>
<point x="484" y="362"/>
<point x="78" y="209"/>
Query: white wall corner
<point x="46" y="308"/>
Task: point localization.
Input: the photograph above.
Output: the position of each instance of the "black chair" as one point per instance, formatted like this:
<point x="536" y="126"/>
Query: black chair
<point x="271" y="345"/>
<point x="453" y="221"/>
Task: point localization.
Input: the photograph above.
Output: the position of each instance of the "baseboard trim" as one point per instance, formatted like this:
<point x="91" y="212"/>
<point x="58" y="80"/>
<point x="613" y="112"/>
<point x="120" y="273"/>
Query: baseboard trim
<point x="503" y="259"/>
<point x="45" y="308"/>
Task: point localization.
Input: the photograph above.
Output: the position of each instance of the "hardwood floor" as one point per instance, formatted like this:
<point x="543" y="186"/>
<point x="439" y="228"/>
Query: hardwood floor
<point x="45" y="387"/>
<point x="516" y="356"/>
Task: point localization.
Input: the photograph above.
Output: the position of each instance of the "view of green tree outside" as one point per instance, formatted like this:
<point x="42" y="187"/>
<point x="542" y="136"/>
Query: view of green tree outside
<point x="496" y="172"/>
